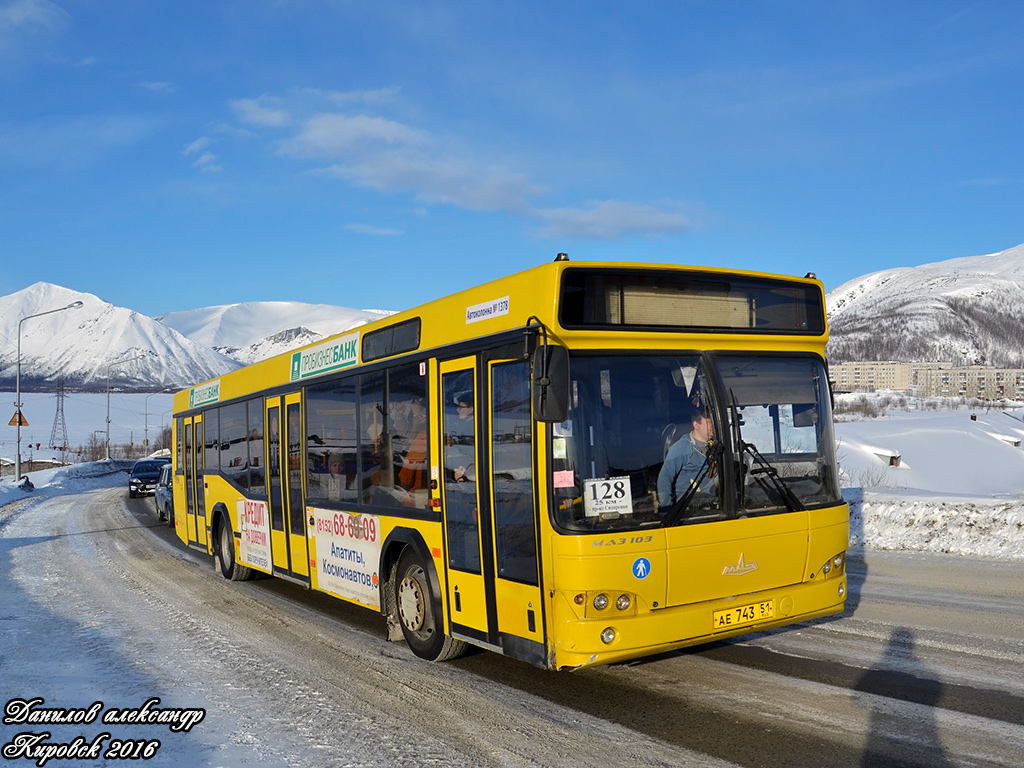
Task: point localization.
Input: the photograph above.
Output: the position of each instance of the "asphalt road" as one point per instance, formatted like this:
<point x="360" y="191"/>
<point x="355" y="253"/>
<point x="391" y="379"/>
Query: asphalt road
<point x="925" y="668"/>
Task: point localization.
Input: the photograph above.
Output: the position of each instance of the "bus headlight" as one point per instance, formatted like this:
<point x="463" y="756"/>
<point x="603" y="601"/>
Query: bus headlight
<point x="601" y="602"/>
<point x="834" y="566"/>
<point x="608" y="635"/>
<point x="623" y="603"/>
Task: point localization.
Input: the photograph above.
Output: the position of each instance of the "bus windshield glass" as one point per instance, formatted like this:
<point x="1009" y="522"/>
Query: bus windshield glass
<point x="664" y="440"/>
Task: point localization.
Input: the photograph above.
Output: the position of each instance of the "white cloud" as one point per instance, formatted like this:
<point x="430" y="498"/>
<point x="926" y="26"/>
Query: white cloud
<point x="369" y="229"/>
<point x="201" y="143"/>
<point x="335" y="135"/>
<point x="252" y="111"/>
<point x="612" y="220"/>
<point x="23" y="21"/>
<point x="377" y="152"/>
<point x="38" y="14"/>
<point x="205" y="161"/>
<point x="440" y="180"/>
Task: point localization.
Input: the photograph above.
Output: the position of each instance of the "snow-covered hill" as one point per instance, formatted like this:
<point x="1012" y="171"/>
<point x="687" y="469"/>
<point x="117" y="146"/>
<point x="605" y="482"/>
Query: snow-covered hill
<point x="164" y="353"/>
<point x="967" y="310"/>
<point x="87" y="344"/>
<point x="254" y="331"/>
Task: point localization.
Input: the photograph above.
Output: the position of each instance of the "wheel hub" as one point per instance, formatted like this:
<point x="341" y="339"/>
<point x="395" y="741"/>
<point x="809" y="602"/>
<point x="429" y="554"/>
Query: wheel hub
<point x="411" y="603"/>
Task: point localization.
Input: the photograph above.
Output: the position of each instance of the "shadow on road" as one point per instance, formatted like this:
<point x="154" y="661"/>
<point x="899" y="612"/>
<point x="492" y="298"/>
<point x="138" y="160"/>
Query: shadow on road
<point x="898" y="678"/>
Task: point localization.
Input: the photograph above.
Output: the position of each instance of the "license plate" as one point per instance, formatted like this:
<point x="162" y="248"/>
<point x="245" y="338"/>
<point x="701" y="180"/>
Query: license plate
<point x="744" y="614"/>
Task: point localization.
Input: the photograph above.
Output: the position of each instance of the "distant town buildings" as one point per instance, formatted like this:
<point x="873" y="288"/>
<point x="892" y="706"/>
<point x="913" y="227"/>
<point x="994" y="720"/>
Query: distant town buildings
<point x="930" y="379"/>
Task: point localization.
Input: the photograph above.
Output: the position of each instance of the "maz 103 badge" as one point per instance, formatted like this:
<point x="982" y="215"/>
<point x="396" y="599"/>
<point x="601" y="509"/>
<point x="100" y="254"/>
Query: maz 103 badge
<point x="608" y="497"/>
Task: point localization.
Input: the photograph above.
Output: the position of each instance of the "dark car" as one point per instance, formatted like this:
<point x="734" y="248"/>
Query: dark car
<point x="163" y="496"/>
<point x="142" y="479"/>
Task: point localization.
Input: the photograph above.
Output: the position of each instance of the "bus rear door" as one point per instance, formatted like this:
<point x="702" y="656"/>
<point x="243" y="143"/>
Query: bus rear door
<point x="195" y="482"/>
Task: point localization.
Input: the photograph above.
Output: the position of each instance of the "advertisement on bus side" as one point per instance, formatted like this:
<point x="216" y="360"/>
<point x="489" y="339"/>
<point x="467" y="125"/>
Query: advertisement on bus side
<point x="346" y="549"/>
<point x="254" y="525"/>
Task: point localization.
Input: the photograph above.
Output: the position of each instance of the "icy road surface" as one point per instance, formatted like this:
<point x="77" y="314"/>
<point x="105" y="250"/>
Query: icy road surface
<point x="100" y="604"/>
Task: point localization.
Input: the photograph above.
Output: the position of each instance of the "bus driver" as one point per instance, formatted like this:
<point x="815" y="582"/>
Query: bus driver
<point x="684" y="461"/>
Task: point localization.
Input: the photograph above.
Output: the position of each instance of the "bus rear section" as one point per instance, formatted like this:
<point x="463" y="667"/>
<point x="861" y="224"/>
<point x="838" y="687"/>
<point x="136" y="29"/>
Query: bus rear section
<point x="747" y="534"/>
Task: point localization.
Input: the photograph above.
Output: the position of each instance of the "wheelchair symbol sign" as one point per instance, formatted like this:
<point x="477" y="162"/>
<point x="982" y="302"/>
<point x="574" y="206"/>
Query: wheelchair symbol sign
<point x="641" y="567"/>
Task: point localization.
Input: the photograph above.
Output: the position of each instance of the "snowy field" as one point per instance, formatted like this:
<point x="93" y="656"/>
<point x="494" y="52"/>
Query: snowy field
<point x="935" y="477"/>
<point x="132" y="417"/>
<point x="945" y="481"/>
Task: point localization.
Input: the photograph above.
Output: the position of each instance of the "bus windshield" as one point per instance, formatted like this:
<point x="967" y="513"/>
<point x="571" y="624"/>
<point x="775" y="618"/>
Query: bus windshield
<point x="663" y="440"/>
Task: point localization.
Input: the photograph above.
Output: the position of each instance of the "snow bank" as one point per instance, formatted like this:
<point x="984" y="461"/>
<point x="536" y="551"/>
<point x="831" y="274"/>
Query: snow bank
<point x="77" y="478"/>
<point x="970" y="527"/>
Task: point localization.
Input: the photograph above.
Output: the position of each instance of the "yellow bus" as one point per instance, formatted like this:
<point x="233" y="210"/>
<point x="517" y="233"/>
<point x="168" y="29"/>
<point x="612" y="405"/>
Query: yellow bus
<point x="578" y="464"/>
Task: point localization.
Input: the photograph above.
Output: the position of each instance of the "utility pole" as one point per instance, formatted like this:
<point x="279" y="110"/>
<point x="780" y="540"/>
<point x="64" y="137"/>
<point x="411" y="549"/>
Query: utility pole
<point x="59" y="433"/>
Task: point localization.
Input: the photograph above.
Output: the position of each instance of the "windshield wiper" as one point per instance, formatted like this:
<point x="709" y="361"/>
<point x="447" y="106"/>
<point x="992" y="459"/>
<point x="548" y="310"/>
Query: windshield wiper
<point x="793" y="504"/>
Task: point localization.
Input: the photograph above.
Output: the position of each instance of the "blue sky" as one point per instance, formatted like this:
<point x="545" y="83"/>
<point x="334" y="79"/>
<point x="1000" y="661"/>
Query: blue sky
<point x="168" y="155"/>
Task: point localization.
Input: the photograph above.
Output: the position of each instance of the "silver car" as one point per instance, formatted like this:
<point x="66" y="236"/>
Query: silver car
<point x="163" y="496"/>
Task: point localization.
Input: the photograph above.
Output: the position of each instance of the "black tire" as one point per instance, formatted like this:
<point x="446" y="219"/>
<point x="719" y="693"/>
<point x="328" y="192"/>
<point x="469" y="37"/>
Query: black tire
<point x="225" y="546"/>
<point x="170" y="517"/>
<point x="419" y="613"/>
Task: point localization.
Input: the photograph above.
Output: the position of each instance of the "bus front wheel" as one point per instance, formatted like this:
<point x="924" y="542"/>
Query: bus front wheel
<point x="418" y="614"/>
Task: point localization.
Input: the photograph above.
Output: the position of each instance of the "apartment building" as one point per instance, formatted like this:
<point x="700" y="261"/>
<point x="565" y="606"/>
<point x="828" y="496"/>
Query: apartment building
<point x="930" y="379"/>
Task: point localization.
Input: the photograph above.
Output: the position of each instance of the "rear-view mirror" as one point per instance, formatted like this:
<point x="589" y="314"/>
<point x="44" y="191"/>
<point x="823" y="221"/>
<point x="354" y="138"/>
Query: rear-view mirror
<point x="551" y="383"/>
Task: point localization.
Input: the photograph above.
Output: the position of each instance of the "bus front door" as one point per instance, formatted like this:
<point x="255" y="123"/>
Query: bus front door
<point x="288" y="543"/>
<point x="517" y="591"/>
<point x="494" y="596"/>
<point x="195" y="482"/>
<point x="468" y="606"/>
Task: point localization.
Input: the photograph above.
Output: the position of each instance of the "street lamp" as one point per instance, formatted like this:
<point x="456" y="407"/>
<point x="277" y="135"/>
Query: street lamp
<point x="17" y="385"/>
<point x="109" y="366"/>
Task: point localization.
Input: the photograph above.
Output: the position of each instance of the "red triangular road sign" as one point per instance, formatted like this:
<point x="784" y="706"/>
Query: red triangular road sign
<point x="17" y="419"/>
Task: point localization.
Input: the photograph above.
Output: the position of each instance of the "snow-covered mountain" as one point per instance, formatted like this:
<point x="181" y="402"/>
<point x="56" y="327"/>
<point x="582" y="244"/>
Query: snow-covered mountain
<point x="968" y="311"/>
<point x="170" y="352"/>
<point x="260" y="329"/>
<point x="87" y="344"/>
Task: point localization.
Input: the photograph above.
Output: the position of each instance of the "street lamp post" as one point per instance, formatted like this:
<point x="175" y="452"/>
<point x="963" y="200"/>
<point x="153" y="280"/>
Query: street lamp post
<point x="145" y="439"/>
<point x="17" y="386"/>
<point x="109" y="366"/>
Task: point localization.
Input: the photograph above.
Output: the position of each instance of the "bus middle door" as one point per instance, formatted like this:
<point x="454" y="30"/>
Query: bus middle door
<point x="288" y="543"/>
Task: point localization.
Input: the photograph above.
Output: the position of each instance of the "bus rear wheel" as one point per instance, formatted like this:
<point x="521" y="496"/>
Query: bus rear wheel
<point x="229" y="567"/>
<point x="418" y="613"/>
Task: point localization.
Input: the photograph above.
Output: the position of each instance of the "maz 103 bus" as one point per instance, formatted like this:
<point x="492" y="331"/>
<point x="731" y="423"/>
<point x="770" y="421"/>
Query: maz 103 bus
<point x="578" y="464"/>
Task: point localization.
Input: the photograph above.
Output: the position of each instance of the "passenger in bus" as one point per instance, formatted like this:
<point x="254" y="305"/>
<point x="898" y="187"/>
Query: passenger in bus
<point x="684" y="461"/>
<point x="335" y="477"/>
<point x="464" y="409"/>
<point x="413" y="473"/>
